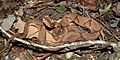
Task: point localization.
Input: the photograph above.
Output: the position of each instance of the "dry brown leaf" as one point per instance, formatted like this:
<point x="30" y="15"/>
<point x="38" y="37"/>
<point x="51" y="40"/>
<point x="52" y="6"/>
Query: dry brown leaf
<point x="20" y="25"/>
<point x="116" y="9"/>
<point x="20" y="12"/>
<point x="69" y="55"/>
<point x="90" y="4"/>
<point x="33" y="32"/>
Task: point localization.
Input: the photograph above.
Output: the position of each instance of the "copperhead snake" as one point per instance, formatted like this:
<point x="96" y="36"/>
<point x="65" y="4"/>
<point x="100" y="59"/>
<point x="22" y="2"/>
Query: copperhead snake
<point x="64" y="31"/>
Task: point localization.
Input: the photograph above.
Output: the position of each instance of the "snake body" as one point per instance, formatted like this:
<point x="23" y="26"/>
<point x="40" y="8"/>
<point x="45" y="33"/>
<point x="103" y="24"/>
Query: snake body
<point x="63" y="31"/>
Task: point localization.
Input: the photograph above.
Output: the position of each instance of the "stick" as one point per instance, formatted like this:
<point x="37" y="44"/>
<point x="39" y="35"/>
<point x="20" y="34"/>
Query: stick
<point x="81" y="44"/>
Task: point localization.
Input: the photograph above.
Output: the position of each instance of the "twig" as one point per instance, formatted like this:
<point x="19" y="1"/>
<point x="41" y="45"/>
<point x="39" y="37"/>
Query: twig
<point x="81" y="44"/>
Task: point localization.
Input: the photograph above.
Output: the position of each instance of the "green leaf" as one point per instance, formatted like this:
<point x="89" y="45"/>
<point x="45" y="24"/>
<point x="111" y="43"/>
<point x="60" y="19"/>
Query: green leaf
<point x="107" y="7"/>
<point x="61" y="9"/>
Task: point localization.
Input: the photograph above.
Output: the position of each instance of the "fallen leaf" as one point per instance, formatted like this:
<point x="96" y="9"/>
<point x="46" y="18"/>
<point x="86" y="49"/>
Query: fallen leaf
<point x="20" y="12"/>
<point x="106" y="8"/>
<point x="32" y="32"/>
<point x="116" y="9"/>
<point x="69" y="55"/>
<point x="90" y="4"/>
<point x="8" y="22"/>
<point x="20" y="25"/>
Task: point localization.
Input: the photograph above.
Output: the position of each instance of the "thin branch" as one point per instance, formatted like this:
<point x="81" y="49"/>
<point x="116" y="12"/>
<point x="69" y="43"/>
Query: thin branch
<point x="81" y="44"/>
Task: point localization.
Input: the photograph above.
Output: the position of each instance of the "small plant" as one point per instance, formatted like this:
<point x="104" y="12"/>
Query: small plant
<point x="61" y="9"/>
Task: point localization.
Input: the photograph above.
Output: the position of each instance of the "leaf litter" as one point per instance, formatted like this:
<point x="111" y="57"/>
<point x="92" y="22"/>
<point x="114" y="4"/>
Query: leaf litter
<point x="58" y="22"/>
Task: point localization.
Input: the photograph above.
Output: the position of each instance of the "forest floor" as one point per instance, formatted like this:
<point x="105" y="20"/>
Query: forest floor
<point x="59" y="30"/>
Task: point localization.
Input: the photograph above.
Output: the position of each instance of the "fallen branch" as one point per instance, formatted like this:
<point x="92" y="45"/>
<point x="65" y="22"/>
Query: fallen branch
<point x="81" y="44"/>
